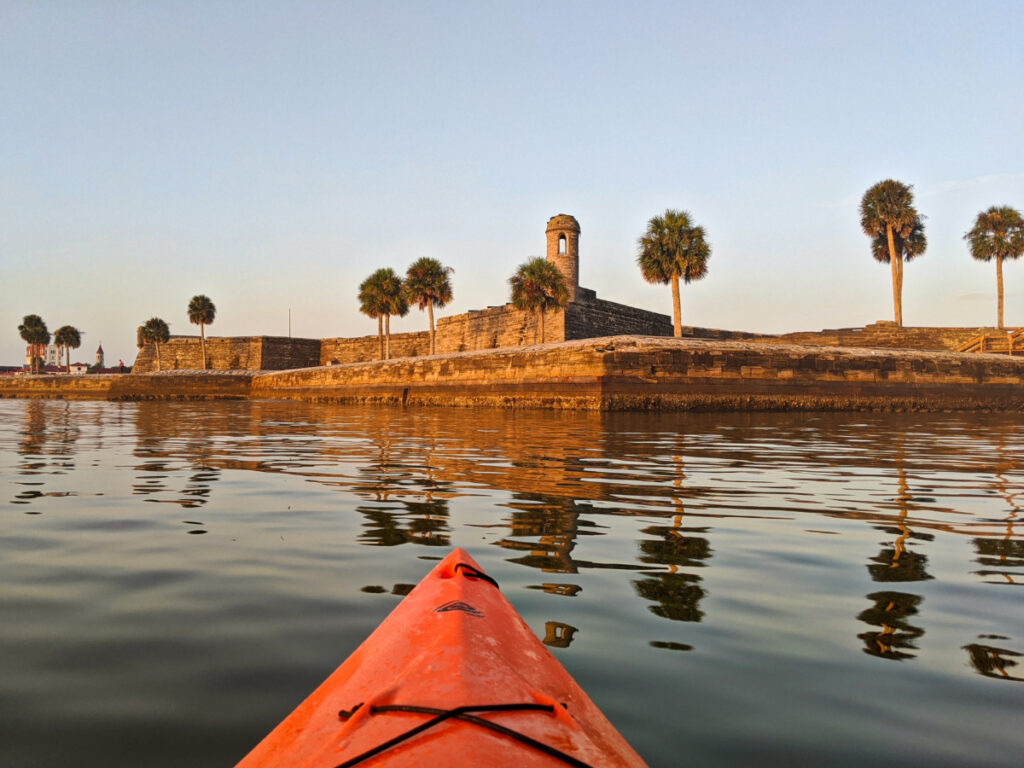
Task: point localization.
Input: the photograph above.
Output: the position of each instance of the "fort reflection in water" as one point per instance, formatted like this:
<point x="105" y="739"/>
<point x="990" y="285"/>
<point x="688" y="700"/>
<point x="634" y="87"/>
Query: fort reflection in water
<point x="563" y="477"/>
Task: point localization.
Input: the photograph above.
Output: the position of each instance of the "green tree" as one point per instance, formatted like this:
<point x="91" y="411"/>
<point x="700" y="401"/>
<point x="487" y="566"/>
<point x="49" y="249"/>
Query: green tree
<point x="427" y="286"/>
<point x="68" y="337"/>
<point x="395" y="303"/>
<point x="997" y="233"/>
<point x="537" y="286"/>
<point x="372" y="304"/>
<point x="906" y="250"/>
<point x="673" y="247"/>
<point x="155" y="331"/>
<point x="201" y="312"/>
<point x="33" y="330"/>
<point x="887" y="211"/>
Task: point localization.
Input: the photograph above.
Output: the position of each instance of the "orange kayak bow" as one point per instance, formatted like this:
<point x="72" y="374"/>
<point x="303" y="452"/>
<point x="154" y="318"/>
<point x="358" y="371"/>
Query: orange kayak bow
<point x="452" y="677"/>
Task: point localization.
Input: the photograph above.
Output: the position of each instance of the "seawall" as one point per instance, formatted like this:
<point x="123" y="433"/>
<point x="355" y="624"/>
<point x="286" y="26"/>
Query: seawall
<point x="615" y="373"/>
<point x="170" y="385"/>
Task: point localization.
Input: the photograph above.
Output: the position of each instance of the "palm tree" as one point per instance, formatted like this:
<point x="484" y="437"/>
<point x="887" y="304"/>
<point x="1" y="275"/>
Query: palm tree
<point x="887" y="210"/>
<point x="68" y="337"/>
<point x="998" y="232"/>
<point x="538" y="285"/>
<point x="395" y="302"/>
<point x="371" y="304"/>
<point x="155" y="331"/>
<point x="33" y="330"/>
<point x="201" y="312"/>
<point x="906" y="250"/>
<point x="673" y="247"/>
<point x="427" y="286"/>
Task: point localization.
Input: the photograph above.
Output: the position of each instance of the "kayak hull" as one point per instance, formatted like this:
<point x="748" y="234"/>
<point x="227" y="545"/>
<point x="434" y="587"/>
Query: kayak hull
<point x="453" y="643"/>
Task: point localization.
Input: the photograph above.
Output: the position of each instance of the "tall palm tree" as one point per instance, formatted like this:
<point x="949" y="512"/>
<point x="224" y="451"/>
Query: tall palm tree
<point x="427" y="286"/>
<point x="395" y="303"/>
<point x="673" y="247"/>
<point x="997" y="232"/>
<point x="68" y="337"/>
<point x="33" y="330"/>
<point x="906" y="250"/>
<point x="371" y="304"/>
<point x="201" y="312"/>
<point x="887" y="210"/>
<point x="155" y="331"/>
<point x="537" y="286"/>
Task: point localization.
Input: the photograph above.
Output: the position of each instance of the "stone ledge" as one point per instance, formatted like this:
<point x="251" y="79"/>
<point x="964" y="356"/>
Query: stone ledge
<point x="612" y="373"/>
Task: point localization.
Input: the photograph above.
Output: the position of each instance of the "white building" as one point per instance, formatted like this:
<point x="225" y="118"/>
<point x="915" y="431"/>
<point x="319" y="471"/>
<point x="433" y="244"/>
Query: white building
<point x="50" y="355"/>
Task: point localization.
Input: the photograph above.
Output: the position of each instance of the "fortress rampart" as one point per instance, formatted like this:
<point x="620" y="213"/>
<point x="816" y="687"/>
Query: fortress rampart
<point x="889" y="335"/>
<point x="609" y="374"/>
<point x="500" y="327"/>
<point x="586" y="316"/>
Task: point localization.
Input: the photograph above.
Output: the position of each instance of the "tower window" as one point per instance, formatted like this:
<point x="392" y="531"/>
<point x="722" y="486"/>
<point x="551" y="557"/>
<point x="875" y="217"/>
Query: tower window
<point x="561" y="243"/>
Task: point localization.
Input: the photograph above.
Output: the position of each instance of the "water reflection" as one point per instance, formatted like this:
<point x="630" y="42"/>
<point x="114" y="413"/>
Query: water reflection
<point x="1000" y="555"/>
<point x="410" y="522"/>
<point x="177" y="458"/>
<point x="640" y="537"/>
<point x="546" y="529"/>
<point x="558" y="634"/>
<point x="992" y="661"/>
<point x="677" y="594"/>
<point x="46" y="446"/>
<point x="896" y="635"/>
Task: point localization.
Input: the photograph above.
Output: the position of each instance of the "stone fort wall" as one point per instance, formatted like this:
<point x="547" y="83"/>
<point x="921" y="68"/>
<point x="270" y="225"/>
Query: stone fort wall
<point x="238" y="353"/>
<point x="586" y="316"/>
<point x="887" y="334"/>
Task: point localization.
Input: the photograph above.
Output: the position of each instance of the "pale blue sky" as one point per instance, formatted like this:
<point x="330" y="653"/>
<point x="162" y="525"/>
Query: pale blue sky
<point x="271" y="155"/>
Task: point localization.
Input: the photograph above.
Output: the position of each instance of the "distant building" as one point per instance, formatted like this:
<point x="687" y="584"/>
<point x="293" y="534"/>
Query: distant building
<point x="99" y="356"/>
<point x="79" y="368"/>
<point x="51" y="355"/>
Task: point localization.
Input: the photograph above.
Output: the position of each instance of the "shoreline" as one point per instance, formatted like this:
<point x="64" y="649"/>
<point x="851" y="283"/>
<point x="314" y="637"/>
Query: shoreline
<point x="618" y="373"/>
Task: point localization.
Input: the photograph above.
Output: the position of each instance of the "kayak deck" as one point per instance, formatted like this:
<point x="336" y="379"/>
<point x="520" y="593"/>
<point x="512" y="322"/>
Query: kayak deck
<point x="452" y="676"/>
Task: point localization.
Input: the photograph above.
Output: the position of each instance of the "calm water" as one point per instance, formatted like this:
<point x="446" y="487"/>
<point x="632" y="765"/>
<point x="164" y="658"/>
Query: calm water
<point x="772" y="588"/>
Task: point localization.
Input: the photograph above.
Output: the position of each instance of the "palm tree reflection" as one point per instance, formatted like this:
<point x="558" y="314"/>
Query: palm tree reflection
<point x="897" y="635"/>
<point x="46" y="446"/>
<point x="171" y="443"/>
<point x="415" y="522"/>
<point x="991" y="661"/>
<point x="1004" y="553"/>
<point x="677" y="594"/>
<point x="896" y="564"/>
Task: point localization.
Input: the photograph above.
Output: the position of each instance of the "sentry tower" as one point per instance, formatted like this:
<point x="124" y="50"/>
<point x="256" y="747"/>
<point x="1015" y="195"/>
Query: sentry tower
<point x="564" y="249"/>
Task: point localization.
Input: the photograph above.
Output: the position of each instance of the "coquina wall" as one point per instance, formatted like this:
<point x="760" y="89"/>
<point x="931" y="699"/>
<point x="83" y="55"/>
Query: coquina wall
<point x="505" y="326"/>
<point x="888" y="335"/>
<point x="618" y="373"/>
<point x="249" y="353"/>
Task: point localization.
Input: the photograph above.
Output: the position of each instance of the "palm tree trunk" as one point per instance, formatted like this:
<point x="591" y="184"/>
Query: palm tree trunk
<point x="542" y="325"/>
<point x="387" y="331"/>
<point x="999" y="286"/>
<point x="677" y="325"/>
<point x="899" y="272"/>
<point x="380" y="337"/>
<point x="430" y="314"/>
<point x="897" y="308"/>
<point x="157" y="355"/>
<point x="202" y="341"/>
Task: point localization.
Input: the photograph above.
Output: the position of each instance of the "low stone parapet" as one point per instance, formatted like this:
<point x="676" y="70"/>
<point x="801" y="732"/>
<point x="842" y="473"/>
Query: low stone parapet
<point x="615" y="373"/>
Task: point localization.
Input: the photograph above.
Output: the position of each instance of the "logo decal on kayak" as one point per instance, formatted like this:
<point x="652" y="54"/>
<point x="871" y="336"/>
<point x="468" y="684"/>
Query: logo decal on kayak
<point x="458" y="605"/>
